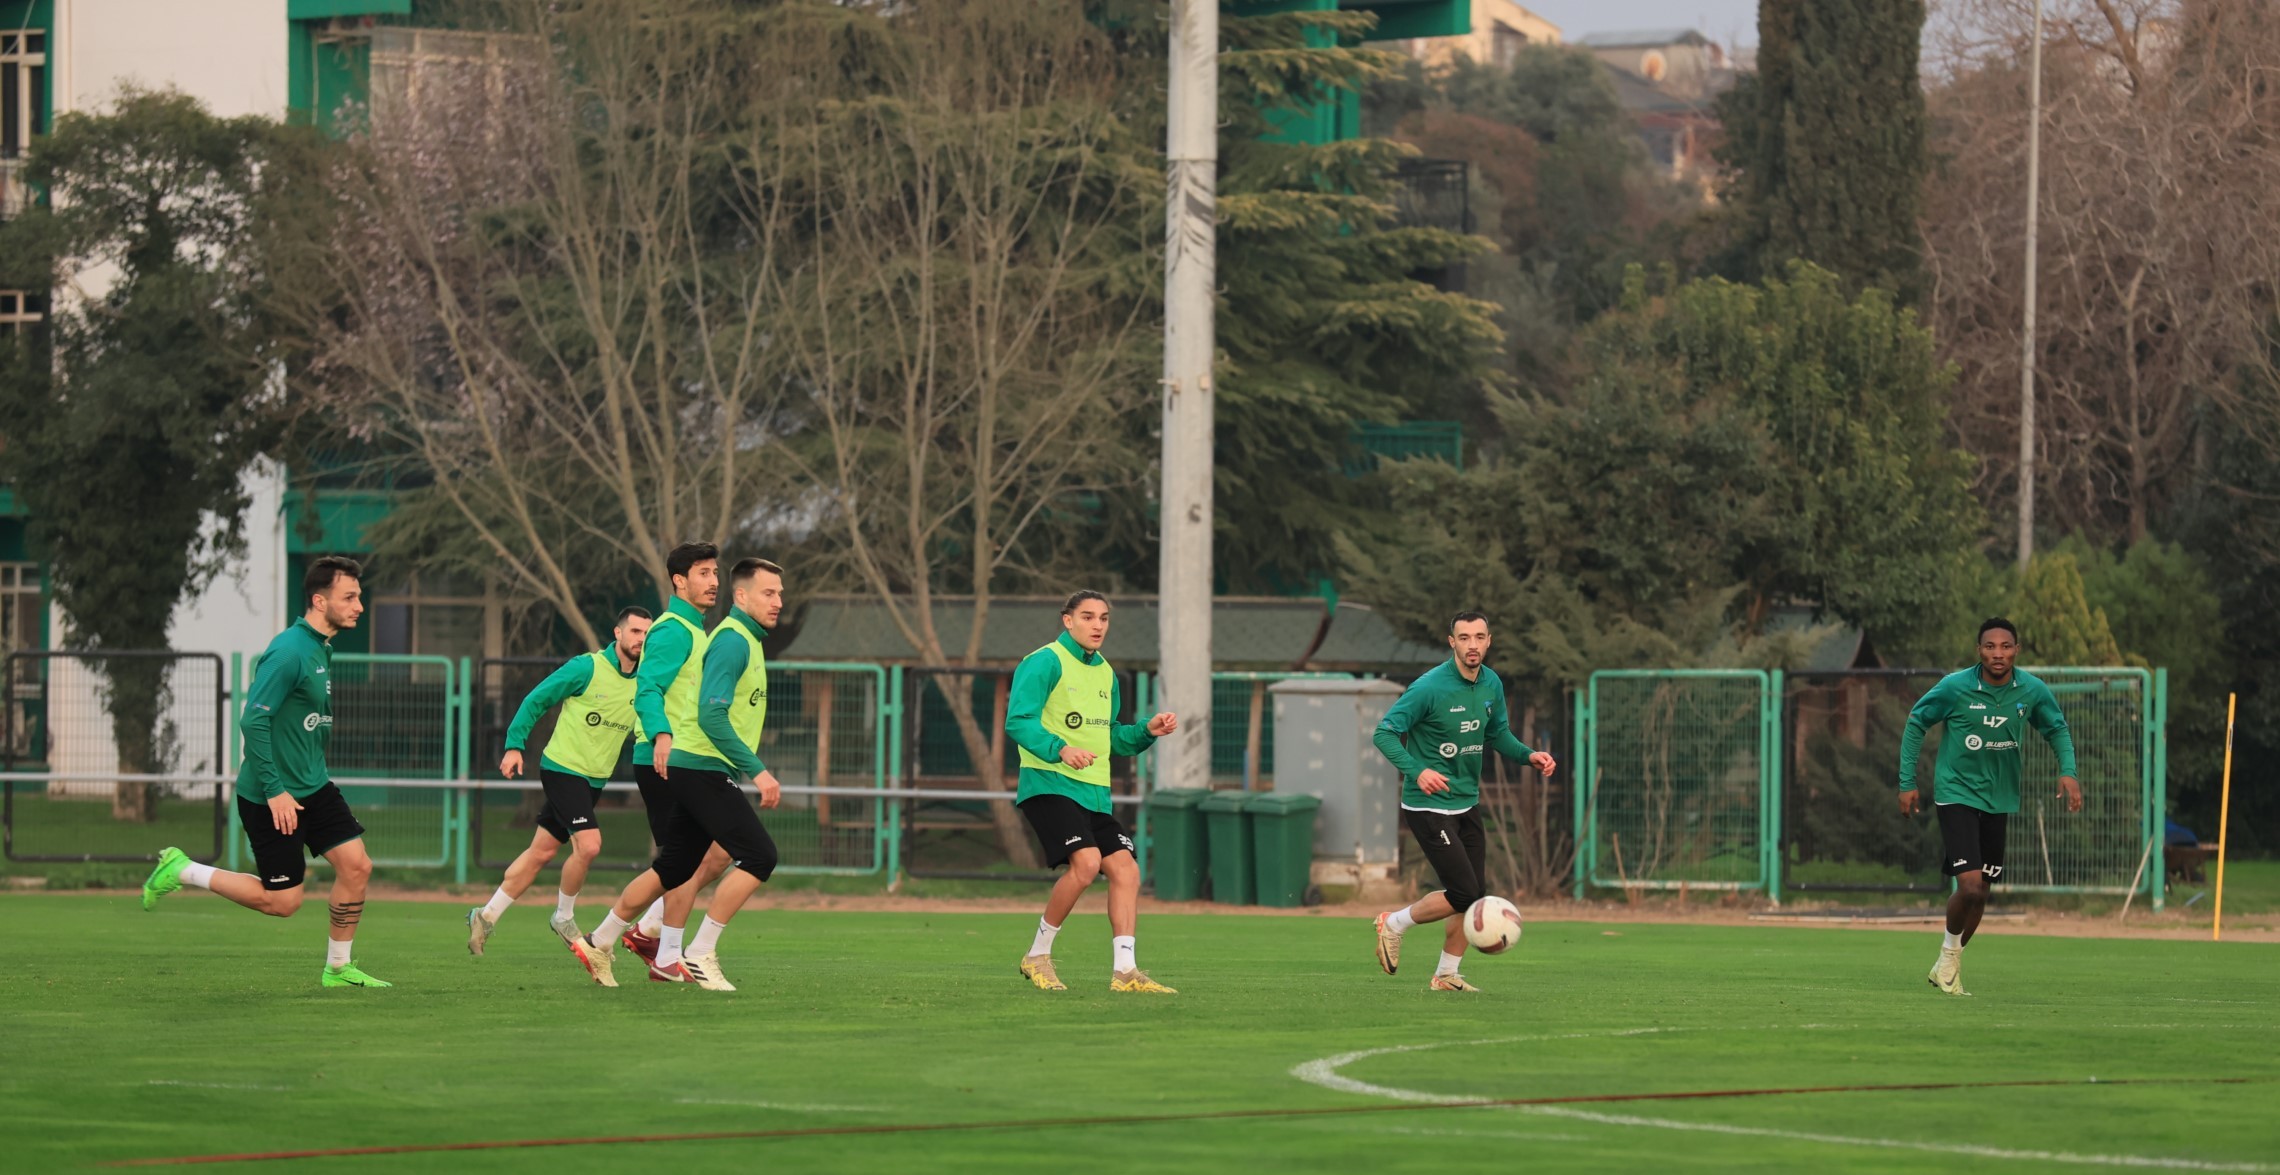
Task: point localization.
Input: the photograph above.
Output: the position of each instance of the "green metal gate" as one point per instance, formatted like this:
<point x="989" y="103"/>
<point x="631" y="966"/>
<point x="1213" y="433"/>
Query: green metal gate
<point x="1678" y="780"/>
<point x="2119" y="718"/>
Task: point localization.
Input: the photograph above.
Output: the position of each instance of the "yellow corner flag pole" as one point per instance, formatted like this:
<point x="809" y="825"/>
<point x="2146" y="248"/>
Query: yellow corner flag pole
<point x="2224" y="821"/>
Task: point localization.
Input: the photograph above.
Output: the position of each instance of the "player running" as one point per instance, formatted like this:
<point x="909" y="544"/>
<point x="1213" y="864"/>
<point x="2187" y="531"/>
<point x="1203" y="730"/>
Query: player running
<point x="285" y="796"/>
<point x="1449" y="715"/>
<point x="1062" y="714"/>
<point x="595" y="691"/>
<point x="705" y="721"/>
<point x="1975" y="782"/>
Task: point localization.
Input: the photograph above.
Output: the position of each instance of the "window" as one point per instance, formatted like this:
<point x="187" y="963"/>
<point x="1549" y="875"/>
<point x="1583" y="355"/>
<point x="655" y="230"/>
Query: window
<point x="20" y="630"/>
<point x="23" y="94"/>
<point x="19" y="310"/>
<point x="431" y="616"/>
<point x="1504" y="44"/>
<point x="444" y="74"/>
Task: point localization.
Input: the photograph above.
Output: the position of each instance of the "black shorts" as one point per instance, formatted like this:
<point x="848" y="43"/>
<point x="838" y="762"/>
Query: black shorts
<point x="569" y="806"/>
<point x="1063" y="826"/>
<point x="1457" y="846"/>
<point x="325" y="824"/>
<point x="709" y="808"/>
<point x="657" y="800"/>
<point x="1971" y="839"/>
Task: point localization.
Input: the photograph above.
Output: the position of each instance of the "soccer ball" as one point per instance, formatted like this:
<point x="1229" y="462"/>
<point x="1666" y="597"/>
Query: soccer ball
<point x="1492" y="926"/>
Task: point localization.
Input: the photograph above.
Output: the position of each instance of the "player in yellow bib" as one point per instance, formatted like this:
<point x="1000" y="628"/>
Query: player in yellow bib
<point x="704" y="715"/>
<point x="595" y="691"/>
<point x="1062" y="714"/>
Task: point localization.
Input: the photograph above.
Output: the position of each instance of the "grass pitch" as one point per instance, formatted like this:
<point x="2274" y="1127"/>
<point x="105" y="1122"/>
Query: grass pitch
<point x="200" y="1030"/>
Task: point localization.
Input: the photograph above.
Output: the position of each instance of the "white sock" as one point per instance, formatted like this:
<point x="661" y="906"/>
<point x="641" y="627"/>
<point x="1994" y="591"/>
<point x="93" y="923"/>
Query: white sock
<point x="1448" y="964"/>
<point x="1043" y="943"/>
<point x="1122" y="946"/>
<point x="336" y="953"/>
<point x="201" y="876"/>
<point x="653" y="918"/>
<point x="565" y="904"/>
<point x="668" y="945"/>
<point x="1399" y="921"/>
<point x="607" y="933"/>
<point x="1952" y="940"/>
<point x="498" y="904"/>
<point x="708" y="937"/>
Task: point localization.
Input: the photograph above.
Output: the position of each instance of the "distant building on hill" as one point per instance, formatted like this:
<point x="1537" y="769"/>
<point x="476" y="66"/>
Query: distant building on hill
<point x="1669" y="79"/>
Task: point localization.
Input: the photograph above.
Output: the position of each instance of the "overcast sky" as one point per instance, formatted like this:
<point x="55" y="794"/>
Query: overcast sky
<point x="1729" y="22"/>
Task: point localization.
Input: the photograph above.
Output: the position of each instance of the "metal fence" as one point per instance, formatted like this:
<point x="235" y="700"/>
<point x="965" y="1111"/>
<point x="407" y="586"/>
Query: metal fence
<point x="827" y="728"/>
<point x="121" y="738"/>
<point x="1678" y="780"/>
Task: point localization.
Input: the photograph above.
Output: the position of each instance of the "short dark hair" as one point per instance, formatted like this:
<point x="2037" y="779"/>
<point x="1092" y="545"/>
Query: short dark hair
<point x="1461" y="617"/>
<point x="1994" y="622"/>
<point x="323" y="570"/>
<point x="629" y="612"/>
<point x="747" y="568"/>
<point x="1077" y="599"/>
<point x="680" y="559"/>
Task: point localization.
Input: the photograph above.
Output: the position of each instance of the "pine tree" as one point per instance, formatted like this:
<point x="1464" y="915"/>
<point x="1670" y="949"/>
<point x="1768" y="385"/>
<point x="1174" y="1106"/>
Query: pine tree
<point x="1827" y="142"/>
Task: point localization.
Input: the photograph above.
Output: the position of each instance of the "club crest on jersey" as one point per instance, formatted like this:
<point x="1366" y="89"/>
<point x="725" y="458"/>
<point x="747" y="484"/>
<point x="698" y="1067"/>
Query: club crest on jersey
<point x="1448" y="750"/>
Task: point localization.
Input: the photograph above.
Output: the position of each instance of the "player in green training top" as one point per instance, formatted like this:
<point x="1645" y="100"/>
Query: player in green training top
<point x="704" y="707"/>
<point x="285" y="795"/>
<point x="595" y="691"/>
<point x="1435" y="735"/>
<point x="1062" y="714"/>
<point x="1975" y="783"/>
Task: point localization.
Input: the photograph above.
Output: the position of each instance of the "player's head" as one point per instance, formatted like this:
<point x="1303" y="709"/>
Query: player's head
<point x="332" y="591"/>
<point x="1085" y="615"/>
<point x="632" y="629"/>
<point x="695" y="571"/>
<point x="758" y="588"/>
<point x="1998" y="647"/>
<point x="1468" y="638"/>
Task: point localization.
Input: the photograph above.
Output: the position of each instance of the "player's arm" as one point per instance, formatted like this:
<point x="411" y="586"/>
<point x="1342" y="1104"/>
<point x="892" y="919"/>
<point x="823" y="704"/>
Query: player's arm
<point x="1131" y="738"/>
<point x="1929" y="711"/>
<point x="1505" y="743"/>
<point x="725" y="661"/>
<point x="662" y="656"/>
<point x="274" y="677"/>
<point x="1387" y="739"/>
<point x="1033" y="682"/>
<point x="2050" y="721"/>
<point x="564" y="683"/>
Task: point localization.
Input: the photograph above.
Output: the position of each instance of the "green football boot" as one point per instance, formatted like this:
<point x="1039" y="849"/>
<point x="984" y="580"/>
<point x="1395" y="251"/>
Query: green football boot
<point x="166" y="878"/>
<point x="346" y="975"/>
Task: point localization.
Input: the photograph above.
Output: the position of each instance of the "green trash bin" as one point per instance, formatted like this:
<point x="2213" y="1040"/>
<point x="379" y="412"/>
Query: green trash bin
<point x="1176" y="858"/>
<point x="1234" y="880"/>
<point x="1282" y="834"/>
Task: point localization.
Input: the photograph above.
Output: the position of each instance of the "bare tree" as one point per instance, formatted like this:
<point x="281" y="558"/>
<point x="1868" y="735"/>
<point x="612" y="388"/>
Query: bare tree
<point x="965" y="311"/>
<point x="2158" y="262"/>
<point x="547" y="289"/>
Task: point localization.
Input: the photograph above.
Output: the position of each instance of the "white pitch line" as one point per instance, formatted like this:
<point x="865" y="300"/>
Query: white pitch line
<point x="218" y="1085"/>
<point x="1324" y="1073"/>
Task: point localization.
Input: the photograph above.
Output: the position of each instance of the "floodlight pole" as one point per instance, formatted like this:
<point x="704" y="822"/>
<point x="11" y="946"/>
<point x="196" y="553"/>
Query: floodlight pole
<point x="1185" y="508"/>
<point x="2027" y="328"/>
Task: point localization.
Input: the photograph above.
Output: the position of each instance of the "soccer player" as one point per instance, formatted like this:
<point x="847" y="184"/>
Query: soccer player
<point x="1975" y="782"/>
<point x="595" y="691"/>
<point x="1435" y="735"/>
<point x="1062" y="715"/>
<point x="704" y="720"/>
<point x="285" y="796"/>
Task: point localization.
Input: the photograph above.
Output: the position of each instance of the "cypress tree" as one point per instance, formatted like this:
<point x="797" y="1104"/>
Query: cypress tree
<point x="1828" y="142"/>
